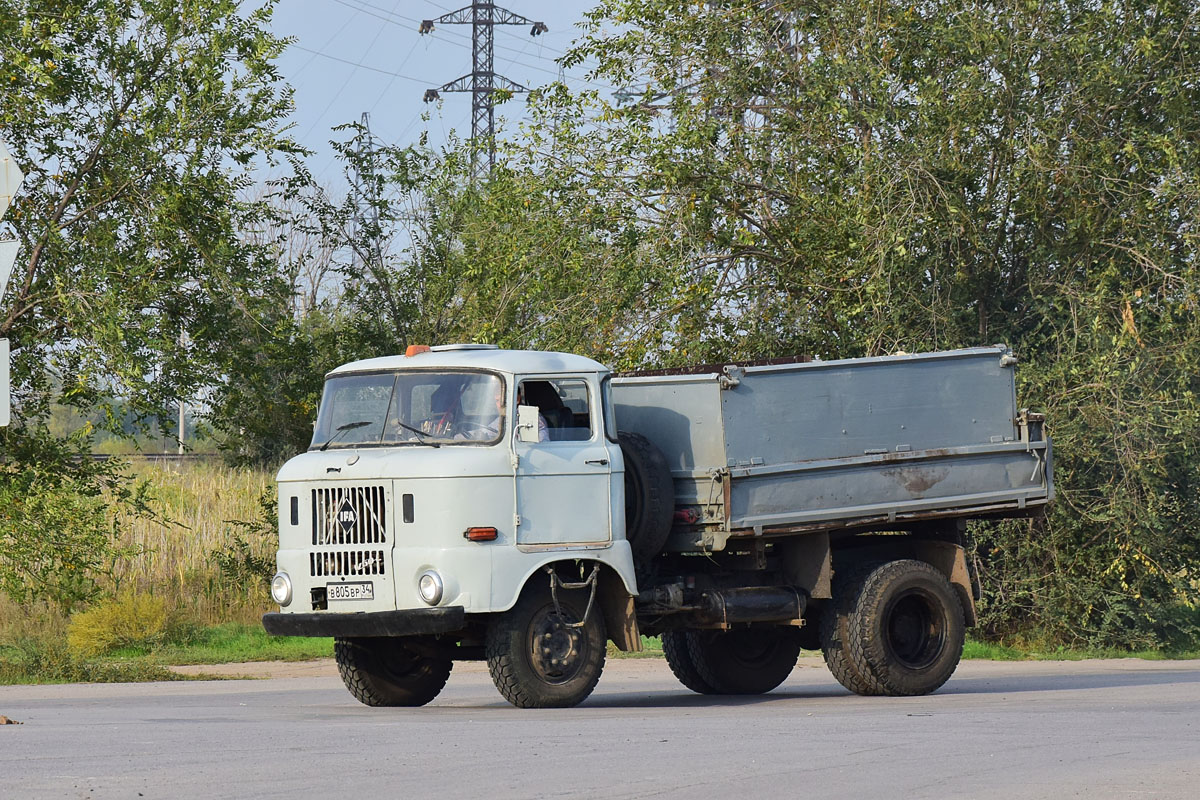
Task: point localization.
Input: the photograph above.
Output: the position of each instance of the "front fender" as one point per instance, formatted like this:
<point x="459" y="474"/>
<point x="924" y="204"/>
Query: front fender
<point x="513" y="568"/>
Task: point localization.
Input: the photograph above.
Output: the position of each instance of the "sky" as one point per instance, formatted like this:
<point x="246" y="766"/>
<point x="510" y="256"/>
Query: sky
<point x="354" y="56"/>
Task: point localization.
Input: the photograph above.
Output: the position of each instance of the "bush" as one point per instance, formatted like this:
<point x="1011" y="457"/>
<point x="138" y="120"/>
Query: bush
<point x="128" y="620"/>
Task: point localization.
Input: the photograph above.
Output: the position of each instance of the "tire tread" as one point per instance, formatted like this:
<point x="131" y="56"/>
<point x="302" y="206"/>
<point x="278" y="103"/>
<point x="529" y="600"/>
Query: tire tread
<point x="725" y="678"/>
<point x="870" y="648"/>
<point x="679" y="659"/>
<point x="844" y="660"/>
<point x="650" y="506"/>
<point x="357" y="665"/>
<point x="504" y="663"/>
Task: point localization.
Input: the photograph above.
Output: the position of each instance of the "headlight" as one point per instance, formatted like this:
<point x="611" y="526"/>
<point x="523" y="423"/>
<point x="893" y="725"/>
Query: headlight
<point x="281" y="588"/>
<point x="430" y="587"/>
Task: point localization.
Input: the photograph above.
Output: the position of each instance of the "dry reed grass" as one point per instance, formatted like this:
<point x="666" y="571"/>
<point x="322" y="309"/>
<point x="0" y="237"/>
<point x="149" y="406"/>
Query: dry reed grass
<point x="173" y="557"/>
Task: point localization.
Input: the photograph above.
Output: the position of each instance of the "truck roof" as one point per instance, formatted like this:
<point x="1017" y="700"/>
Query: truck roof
<point x="477" y="357"/>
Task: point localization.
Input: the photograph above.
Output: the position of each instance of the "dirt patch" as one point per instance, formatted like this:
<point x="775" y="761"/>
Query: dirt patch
<point x="251" y="670"/>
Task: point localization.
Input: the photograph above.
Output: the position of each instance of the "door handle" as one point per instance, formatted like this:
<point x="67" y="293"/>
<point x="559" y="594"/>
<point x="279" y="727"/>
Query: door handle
<point x="600" y="462"/>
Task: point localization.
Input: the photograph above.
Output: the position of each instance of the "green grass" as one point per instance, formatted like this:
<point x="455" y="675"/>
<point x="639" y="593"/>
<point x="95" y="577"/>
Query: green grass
<point x="651" y="648"/>
<point x="230" y="643"/>
<point x="986" y="651"/>
<point x="1065" y="654"/>
<point x="44" y="657"/>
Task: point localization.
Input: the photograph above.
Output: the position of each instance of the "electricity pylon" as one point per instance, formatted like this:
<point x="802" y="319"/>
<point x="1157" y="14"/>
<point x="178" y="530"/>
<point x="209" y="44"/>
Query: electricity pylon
<point x="482" y="82"/>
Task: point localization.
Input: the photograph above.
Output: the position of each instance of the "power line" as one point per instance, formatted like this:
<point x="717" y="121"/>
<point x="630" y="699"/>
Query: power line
<point x="392" y="79"/>
<point x="362" y="66"/>
<point x="328" y="42"/>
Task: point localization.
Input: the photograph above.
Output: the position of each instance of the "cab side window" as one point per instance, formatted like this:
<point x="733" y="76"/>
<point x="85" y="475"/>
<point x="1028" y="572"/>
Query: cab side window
<point x="564" y="405"/>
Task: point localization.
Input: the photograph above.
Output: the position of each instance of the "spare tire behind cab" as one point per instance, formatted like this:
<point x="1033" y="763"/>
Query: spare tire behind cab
<point x="649" y="497"/>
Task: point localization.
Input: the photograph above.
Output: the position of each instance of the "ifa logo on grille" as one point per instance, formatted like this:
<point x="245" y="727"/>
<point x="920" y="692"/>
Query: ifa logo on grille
<point x="347" y="517"/>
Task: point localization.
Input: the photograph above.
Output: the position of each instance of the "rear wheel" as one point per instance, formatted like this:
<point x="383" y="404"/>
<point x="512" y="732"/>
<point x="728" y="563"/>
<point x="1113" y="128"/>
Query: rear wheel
<point x="909" y="624"/>
<point x="679" y="659"/>
<point x="535" y="656"/>
<point x="383" y="672"/>
<point x="846" y="662"/>
<point x="744" y="661"/>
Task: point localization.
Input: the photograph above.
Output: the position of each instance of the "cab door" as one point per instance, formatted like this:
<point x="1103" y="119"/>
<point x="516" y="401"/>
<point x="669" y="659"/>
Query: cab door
<point x="563" y="486"/>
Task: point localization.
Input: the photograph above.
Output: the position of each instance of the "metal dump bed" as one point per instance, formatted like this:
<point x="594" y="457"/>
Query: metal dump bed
<point x="864" y="443"/>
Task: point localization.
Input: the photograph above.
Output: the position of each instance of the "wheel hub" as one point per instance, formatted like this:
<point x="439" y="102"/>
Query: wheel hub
<point x="915" y="633"/>
<point x="557" y="650"/>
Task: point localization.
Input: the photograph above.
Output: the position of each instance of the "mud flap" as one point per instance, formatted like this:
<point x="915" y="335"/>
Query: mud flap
<point x="620" y="617"/>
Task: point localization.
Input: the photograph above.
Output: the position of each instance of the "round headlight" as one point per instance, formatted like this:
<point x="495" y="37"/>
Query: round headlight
<point x="430" y="587"/>
<point x="281" y="588"/>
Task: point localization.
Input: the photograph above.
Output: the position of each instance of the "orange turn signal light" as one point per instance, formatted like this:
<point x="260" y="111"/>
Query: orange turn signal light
<point x="416" y="350"/>
<point x="480" y="534"/>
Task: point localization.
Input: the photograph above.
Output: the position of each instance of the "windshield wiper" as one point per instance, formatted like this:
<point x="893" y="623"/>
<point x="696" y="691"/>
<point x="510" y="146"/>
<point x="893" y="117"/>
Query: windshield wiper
<point x="424" y="436"/>
<point x="349" y="426"/>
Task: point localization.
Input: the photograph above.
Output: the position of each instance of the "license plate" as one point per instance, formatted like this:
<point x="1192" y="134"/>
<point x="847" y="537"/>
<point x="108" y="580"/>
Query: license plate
<point x="350" y="591"/>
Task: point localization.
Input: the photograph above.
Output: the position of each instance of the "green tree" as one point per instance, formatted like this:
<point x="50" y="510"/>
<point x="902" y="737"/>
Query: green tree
<point x="136" y="123"/>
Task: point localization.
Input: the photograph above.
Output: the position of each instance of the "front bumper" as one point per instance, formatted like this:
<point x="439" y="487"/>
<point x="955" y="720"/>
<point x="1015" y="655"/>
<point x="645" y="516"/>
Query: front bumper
<point x="412" y="622"/>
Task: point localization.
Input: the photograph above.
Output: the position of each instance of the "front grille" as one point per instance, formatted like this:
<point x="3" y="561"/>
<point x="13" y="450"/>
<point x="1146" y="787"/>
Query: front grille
<point x="346" y="562"/>
<point x="349" y="515"/>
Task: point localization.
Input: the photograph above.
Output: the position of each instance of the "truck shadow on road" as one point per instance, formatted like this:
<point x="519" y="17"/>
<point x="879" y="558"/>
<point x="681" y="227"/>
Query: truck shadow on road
<point x="686" y="699"/>
<point x="1063" y="683"/>
<point x="960" y="686"/>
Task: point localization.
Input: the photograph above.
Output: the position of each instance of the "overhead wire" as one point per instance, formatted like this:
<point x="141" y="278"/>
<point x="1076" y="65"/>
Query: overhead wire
<point x="392" y="79"/>
<point x="363" y="66"/>
<point x="346" y="82"/>
<point x="325" y="46"/>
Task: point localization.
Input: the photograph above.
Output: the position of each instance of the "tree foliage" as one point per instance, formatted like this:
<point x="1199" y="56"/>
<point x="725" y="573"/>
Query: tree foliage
<point x="136" y="123"/>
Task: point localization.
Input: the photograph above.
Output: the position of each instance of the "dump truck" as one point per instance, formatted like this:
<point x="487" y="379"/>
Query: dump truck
<point x="464" y="502"/>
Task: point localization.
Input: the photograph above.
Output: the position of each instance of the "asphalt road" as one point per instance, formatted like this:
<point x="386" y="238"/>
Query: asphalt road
<point x="1095" y="729"/>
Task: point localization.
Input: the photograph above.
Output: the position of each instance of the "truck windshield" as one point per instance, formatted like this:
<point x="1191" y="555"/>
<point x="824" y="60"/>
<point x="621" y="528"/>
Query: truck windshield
<point x="385" y="408"/>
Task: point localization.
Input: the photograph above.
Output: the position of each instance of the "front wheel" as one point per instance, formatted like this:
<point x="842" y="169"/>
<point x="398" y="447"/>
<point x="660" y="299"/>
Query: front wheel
<point x="909" y="623"/>
<point x="744" y="661"/>
<point x="383" y="672"/>
<point x="536" y="655"/>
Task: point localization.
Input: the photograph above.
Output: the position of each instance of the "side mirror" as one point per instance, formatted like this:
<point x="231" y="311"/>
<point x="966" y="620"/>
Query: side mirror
<point x="527" y="424"/>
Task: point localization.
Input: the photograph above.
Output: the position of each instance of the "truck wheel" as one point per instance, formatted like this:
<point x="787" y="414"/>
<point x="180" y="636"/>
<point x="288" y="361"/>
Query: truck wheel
<point x="383" y="672"/>
<point x="649" y="496"/>
<point x="847" y="663"/>
<point x="744" y="661"/>
<point x="536" y="660"/>
<point x="679" y="659"/>
<point x="909" y="622"/>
